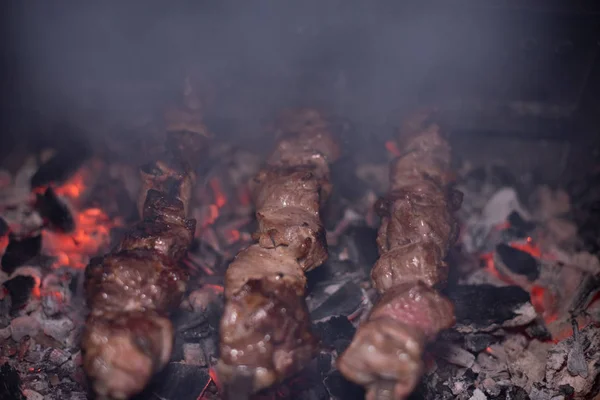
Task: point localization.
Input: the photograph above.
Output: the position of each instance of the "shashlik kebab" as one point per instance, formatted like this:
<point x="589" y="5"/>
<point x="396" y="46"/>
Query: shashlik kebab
<point x="265" y="331"/>
<point x="128" y="336"/>
<point x="416" y="232"/>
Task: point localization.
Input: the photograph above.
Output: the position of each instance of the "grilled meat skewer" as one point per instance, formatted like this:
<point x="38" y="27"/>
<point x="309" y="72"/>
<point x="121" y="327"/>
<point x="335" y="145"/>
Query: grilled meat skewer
<point x="265" y="329"/>
<point x="128" y="336"/>
<point x="416" y="232"/>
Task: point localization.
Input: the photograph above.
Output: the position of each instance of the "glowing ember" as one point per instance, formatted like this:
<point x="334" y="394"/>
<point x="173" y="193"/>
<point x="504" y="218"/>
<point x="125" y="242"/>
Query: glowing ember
<point x="541" y="299"/>
<point x="220" y="199"/>
<point x="91" y="233"/>
<point x="213" y="210"/>
<point x="392" y="148"/>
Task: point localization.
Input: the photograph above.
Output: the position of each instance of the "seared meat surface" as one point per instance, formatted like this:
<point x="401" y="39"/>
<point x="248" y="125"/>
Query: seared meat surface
<point x="265" y="329"/>
<point x="417" y="230"/>
<point x="128" y="336"/>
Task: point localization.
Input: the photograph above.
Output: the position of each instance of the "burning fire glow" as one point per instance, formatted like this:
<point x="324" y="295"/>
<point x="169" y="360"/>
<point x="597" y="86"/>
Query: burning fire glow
<point x="91" y="233"/>
<point x="541" y="298"/>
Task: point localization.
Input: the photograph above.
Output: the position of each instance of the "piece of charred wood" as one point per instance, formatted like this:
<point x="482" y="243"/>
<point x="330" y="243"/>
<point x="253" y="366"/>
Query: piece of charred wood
<point x="11" y="383"/>
<point x="517" y="261"/>
<point x="177" y="381"/>
<point x="66" y="161"/>
<point x="55" y="211"/>
<point x="19" y="288"/>
<point x="495" y="307"/>
<point x="19" y="251"/>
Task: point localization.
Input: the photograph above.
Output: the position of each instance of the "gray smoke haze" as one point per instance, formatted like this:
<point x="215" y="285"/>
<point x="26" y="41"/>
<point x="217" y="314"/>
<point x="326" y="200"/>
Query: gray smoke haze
<point x="364" y="60"/>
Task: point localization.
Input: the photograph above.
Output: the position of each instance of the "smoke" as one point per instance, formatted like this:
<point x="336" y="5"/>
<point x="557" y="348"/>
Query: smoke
<point x="360" y="59"/>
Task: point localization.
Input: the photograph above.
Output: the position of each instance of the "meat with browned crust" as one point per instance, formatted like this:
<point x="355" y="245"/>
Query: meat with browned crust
<point x="128" y="336"/>
<point x="265" y="329"/>
<point x="417" y="230"/>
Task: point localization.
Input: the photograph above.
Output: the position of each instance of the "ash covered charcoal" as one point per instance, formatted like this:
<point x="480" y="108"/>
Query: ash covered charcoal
<point x="359" y="245"/>
<point x="336" y="333"/>
<point x="55" y="211"/>
<point x="67" y="160"/>
<point x="517" y="261"/>
<point x="345" y="301"/>
<point x="506" y="306"/>
<point x="20" y="251"/>
<point x="519" y="227"/>
<point x="586" y="292"/>
<point x="177" y="381"/>
<point x="19" y="289"/>
<point x="4" y="228"/>
<point x="10" y="383"/>
<point x="5" y="308"/>
<point x="340" y="388"/>
<point x="476" y="342"/>
<point x="557" y="365"/>
<point x="539" y="330"/>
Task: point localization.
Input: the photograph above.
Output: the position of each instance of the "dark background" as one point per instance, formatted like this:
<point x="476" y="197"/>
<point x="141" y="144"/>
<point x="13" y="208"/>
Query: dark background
<point x="525" y="69"/>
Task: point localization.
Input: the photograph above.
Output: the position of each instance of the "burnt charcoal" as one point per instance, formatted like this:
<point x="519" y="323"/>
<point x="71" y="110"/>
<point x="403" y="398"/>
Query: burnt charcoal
<point x="519" y="227"/>
<point x="511" y="393"/>
<point x="10" y="383"/>
<point x="587" y="290"/>
<point x="19" y="251"/>
<point x="19" y="288"/>
<point x="331" y="271"/>
<point x="4" y="228"/>
<point x="361" y="242"/>
<point x="176" y="381"/>
<point x="189" y="327"/>
<point x="485" y="305"/>
<point x="567" y="390"/>
<point x="518" y="261"/>
<point x="343" y="173"/>
<point x="337" y="333"/>
<point x="576" y="361"/>
<point x="55" y="211"/>
<point x="476" y="342"/>
<point x="324" y="362"/>
<point x="5" y="307"/>
<point x="501" y="176"/>
<point x="343" y="302"/>
<point x="62" y="166"/>
<point x="538" y="330"/>
<point x="342" y="389"/>
<point x="307" y="385"/>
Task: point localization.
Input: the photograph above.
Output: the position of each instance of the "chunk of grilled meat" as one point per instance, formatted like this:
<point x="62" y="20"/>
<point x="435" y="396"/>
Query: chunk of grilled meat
<point x="265" y="329"/>
<point x="128" y="335"/>
<point x="416" y="232"/>
<point x="165" y="177"/>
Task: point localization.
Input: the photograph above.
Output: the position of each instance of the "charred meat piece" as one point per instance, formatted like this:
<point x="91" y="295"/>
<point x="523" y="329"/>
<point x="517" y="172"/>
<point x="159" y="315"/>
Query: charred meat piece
<point x="416" y="232"/>
<point x="128" y="336"/>
<point x="169" y="239"/>
<point x="265" y="329"/>
<point x="169" y="179"/>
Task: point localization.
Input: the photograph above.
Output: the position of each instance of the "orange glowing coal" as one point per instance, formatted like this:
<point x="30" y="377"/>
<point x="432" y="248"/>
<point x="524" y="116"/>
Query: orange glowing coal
<point x="541" y="298"/>
<point x="219" y="199"/>
<point x="92" y="229"/>
<point x="392" y="148"/>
